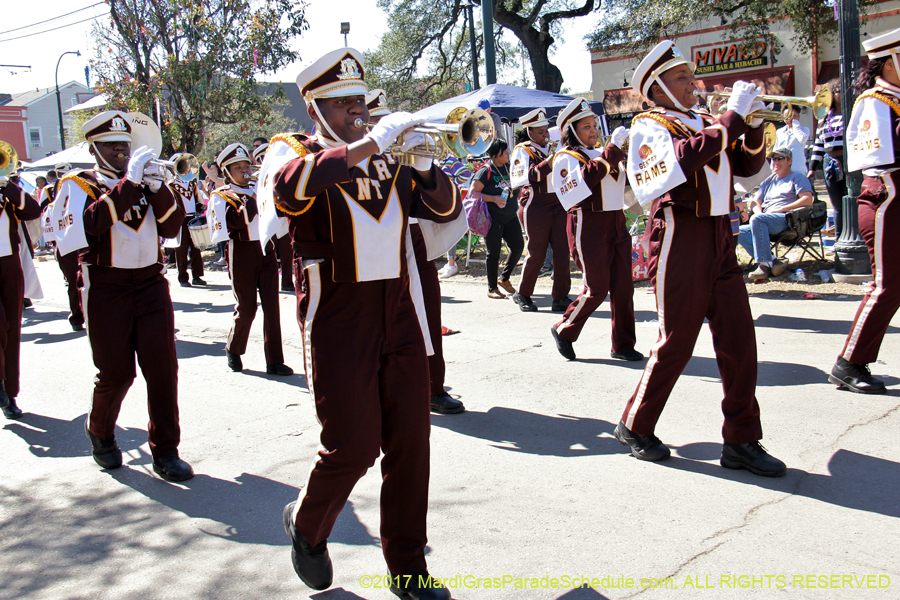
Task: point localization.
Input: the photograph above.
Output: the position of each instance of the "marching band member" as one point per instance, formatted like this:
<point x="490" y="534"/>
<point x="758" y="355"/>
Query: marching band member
<point x="681" y="164"/>
<point x="68" y="263"/>
<point x="590" y="186"/>
<point x="191" y="200"/>
<point x="115" y="215"/>
<point x="430" y="285"/>
<point x="250" y="267"/>
<point x="873" y="138"/>
<point x="348" y="203"/>
<point x="17" y="205"/>
<point x="541" y="213"/>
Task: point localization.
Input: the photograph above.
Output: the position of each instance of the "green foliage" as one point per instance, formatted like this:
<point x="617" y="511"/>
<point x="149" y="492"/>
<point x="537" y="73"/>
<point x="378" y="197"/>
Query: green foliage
<point x="197" y="58"/>
<point x="633" y="26"/>
<point x="219" y="135"/>
<point x="74" y="121"/>
<point x="431" y="36"/>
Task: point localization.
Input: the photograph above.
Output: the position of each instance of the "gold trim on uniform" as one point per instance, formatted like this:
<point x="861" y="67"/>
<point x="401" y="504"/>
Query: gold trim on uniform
<point x="886" y="98"/>
<point x="679" y="129"/>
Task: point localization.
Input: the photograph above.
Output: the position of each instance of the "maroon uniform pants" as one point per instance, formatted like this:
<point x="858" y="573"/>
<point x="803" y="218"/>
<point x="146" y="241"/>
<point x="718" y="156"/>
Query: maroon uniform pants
<point x="12" y="292"/>
<point x="367" y="371"/>
<point x="696" y="277"/>
<point x="600" y="243"/>
<point x="186" y="248"/>
<point x="285" y="260"/>
<point x="431" y="294"/>
<point x="251" y="271"/>
<point x="68" y="264"/>
<point x="129" y="313"/>
<point x="545" y="225"/>
<point x="878" y="224"/>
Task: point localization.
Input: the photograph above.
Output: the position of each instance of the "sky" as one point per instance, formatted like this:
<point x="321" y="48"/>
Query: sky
<point x="367" y="24"/>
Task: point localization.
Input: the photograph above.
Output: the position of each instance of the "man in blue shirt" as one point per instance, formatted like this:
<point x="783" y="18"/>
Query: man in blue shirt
<point x="779" y="193"/>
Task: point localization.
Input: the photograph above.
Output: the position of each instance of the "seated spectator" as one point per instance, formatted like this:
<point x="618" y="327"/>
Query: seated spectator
<point x="779" y="193"/>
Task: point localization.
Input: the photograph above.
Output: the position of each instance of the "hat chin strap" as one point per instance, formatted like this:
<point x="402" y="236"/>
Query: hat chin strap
<point x="671" y="97"/>
<point x="100" y="160"/>
<point x="325" y="124"/>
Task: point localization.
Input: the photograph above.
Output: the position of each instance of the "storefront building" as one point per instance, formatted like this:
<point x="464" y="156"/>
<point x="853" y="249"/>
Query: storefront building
<point x="722" y="61"/>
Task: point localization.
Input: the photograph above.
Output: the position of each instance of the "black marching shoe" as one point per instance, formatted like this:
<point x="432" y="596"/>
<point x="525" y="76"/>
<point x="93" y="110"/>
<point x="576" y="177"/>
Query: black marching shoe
<point x="184" y="283"/>
<point x="77" y="326"/>
<point x="172" y="468"/>
<point x="106" y="453"/>
<point x="4" y="399"/>
<point x="629" y="355"/>
<point x="643" y="447"/>
<point x="524" y="302"/>
<point x="281" y="369"/>
<point x="444" y="404"/>
<point x="560" y="305"/>
<point x="198" y="281"/>
<point x="288" y="289"/>
<point x="563" y="346"/>
<point x="856" y="378"/>
<point x="234" y="361"/>
<point x="418" y="586"/>
<point x="11" y="411"/>
<point x="311" y="563"/>
<point x="753" y="457"/>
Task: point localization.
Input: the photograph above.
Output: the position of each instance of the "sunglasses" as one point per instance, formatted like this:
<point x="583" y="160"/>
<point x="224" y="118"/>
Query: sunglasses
<point x="778" y="158"/>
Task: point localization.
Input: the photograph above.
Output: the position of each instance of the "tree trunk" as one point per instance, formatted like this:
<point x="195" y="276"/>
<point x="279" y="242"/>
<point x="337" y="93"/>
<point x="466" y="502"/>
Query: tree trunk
<point x="547" y="76"/>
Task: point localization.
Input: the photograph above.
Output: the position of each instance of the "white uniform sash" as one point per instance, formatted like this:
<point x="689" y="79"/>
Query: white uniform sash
<point x="67" y="215"/>
<point x="271" y="225"/>
<point x="652" y="166"/>
<point x="870" y="140"/>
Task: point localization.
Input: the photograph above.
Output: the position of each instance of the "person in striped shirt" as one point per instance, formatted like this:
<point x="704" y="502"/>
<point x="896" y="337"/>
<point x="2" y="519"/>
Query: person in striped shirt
<point x="828" y="149"/>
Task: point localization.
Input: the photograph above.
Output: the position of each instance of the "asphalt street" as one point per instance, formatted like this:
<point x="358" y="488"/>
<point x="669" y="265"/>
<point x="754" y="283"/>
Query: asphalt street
<point x="530" y="494"/>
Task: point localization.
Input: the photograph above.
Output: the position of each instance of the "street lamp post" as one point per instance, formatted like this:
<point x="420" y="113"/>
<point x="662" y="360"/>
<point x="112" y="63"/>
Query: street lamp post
<point x="345" y="29"/>
<point x="472" y="46"/>
<point x="487" y="24"/>
<point x="851" y="259"/>
<point x="62" y="130"/>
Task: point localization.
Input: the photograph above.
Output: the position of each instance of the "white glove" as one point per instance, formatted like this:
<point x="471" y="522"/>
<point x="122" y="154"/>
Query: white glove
<point x="137" y="164"/>
<point x="619" y="136"/>
<point x="756" y="106"/>
<point x="742" y="96"/>
<point x="154" y="176"/>
<point x="411" y="139"/>
<point x="390" y="127"/>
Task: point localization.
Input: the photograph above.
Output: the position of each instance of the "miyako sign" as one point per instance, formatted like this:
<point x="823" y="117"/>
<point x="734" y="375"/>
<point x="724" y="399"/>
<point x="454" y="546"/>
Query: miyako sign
<point x="730" y="56"/>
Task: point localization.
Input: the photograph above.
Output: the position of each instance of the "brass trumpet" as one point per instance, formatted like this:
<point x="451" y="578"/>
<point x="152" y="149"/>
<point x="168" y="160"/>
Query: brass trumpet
<point x="463" y="133"/>
<point x="9" y="159"/>
<point x="820" y="104"/>
<point x="185" y="168"/>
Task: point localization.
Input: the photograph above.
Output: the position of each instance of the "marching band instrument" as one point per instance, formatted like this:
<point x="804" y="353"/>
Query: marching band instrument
<point x="9" y="159"/>
<point x="185" y="168"/>
<point x="769" y="135"/>
<point x="820" y="104"/>
<point x="465" y="132"/>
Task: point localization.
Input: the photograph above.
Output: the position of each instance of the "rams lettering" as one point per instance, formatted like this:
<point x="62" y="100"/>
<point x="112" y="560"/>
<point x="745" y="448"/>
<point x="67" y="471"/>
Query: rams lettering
<point x="643" y="177"/>
<point x="866" y="145"/>
<point x="568" y="185"/>
<point x="65" y="222"/>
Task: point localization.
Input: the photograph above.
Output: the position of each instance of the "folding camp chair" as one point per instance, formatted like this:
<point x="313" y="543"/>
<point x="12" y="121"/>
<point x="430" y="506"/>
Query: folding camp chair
<point x="805" y="224"/>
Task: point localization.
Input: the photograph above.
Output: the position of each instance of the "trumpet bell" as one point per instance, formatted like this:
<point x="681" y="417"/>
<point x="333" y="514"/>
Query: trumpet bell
<point x="9" y="159"/>
<point x="186" y="167"/>
<point x="475" y="132"/>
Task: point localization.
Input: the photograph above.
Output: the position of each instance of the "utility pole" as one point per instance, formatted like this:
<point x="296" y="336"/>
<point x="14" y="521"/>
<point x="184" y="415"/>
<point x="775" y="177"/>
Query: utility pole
<point x="487" y="23"/>
<point x="472" y="47"/>
<point x="851" y="259"/>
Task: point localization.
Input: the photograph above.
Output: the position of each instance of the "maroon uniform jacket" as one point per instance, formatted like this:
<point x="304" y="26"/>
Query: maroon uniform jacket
<point x="18" y="205"/>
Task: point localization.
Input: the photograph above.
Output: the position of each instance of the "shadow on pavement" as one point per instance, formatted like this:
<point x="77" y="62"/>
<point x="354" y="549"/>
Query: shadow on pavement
<point x="189" y="349"/>
<point x="811" y="325"/>
<point x="533" y="433"/>
<point x="52" y="338"/>
<point x="855" y="480"/>
<point x="203" y="307"/>
<point x="769" y="373"/>
<point x="582" y="593"/>
<point x="34" y="317"/>
<point x="295" y="380"/>
<point x="56" y="438"/>
<point x="336" y="594"/>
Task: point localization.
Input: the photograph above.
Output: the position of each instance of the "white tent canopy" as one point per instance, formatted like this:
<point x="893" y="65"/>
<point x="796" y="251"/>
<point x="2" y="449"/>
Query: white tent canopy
<point x="78" y="156"/>
<point x="94" y="103"/>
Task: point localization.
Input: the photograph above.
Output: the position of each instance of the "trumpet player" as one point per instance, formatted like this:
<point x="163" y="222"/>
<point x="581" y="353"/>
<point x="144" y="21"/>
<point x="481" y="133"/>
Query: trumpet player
<point x="681" y="164"/>
<point x="114" y="216"/>
<point x="251" y="268"/>
<point x="873" y="146"/>
<point x="348" y="204"/>
<point x="590" y="185"/>
<point x="15" y="205"/>
<point x="540" y="212"/>
<point x="192" y="201"/>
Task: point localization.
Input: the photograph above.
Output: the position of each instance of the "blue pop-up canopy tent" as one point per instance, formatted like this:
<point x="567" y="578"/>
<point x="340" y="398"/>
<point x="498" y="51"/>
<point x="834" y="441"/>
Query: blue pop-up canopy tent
<point x="508" y="102"/>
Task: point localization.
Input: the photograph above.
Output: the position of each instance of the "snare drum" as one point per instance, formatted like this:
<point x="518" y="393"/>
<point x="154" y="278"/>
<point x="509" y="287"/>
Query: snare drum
<point x="200" y="233"/>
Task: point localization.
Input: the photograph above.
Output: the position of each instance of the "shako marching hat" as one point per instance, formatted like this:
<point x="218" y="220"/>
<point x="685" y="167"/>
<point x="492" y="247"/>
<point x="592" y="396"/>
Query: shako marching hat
<point x="576" y="110"/>
<point x="108" y="126"/>
<point x="663" y="57"/>
<point x="233" y="153"/>
<point x="376" y="102"/>
<point x="883" y="45"/>
<point x="260" y="151"/>
<point x="338" y="73"/>
<point x="536" y="118"/>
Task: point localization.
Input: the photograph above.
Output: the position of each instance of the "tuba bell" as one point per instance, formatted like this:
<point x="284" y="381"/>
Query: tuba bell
<point x="9" y="159"/>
